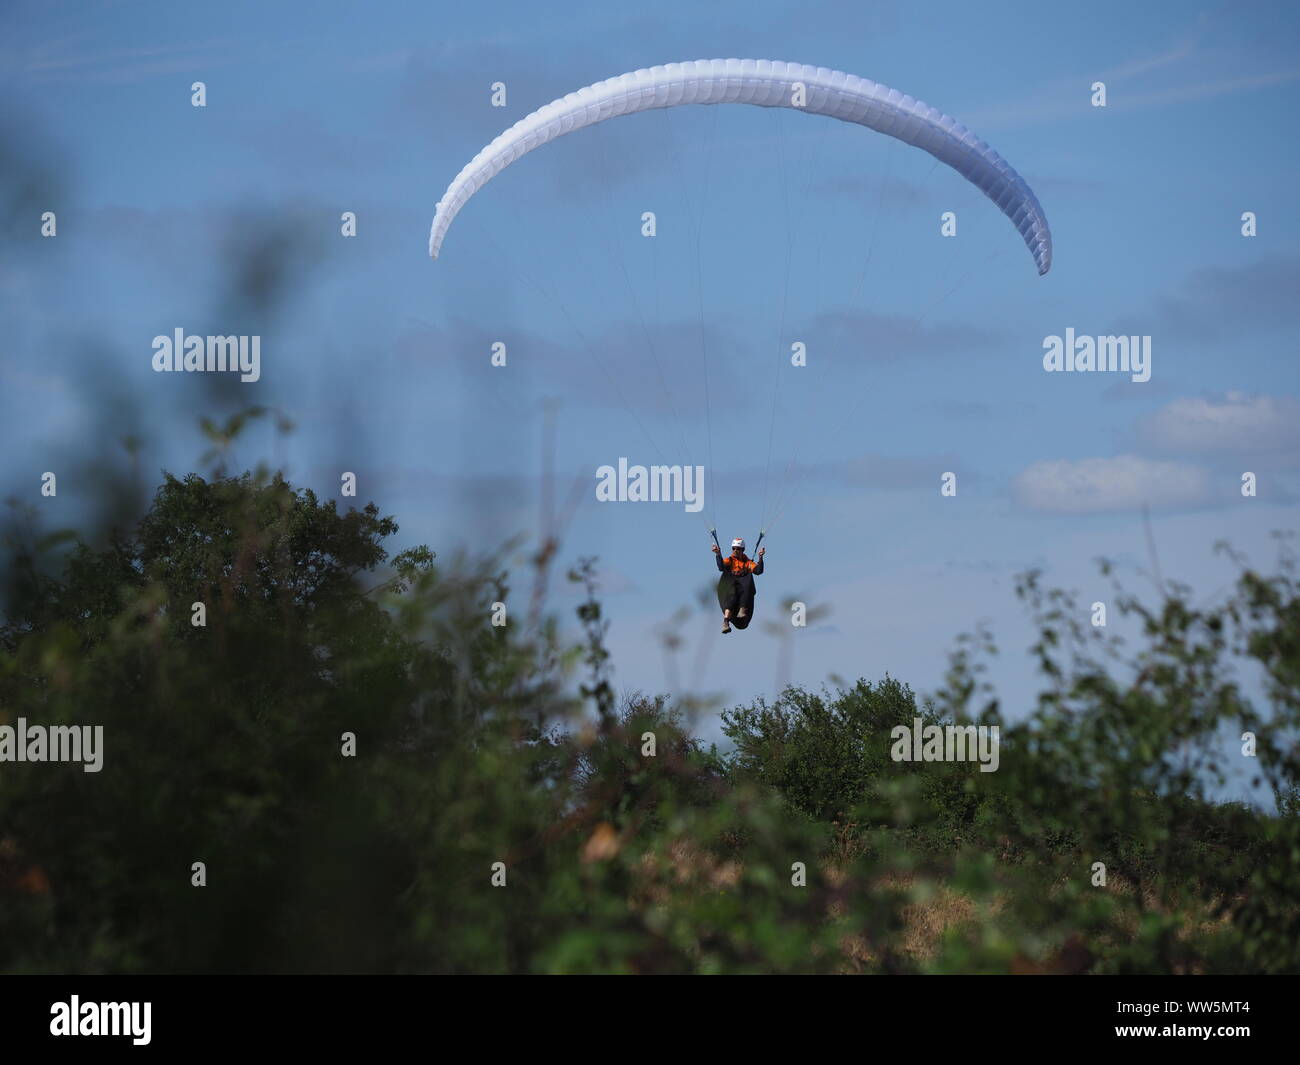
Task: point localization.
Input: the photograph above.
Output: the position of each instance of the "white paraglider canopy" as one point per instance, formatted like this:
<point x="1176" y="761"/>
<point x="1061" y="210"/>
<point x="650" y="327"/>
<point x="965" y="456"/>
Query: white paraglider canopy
<point x="763" y="83"/>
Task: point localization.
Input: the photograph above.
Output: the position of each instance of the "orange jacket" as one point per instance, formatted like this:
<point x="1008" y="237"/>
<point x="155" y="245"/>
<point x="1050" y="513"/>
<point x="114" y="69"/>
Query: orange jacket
<point x="738" y="567"/>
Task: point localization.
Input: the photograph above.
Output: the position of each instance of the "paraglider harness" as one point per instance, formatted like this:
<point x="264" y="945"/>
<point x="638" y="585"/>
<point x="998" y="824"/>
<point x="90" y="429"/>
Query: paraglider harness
<point x="736" y="589"/>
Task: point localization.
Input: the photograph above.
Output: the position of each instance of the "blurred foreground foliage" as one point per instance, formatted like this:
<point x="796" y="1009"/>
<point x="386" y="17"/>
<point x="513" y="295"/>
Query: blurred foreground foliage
<point x="223" y="745"/>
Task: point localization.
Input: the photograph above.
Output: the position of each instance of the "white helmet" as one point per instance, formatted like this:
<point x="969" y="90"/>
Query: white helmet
<point x="738" y="542"/>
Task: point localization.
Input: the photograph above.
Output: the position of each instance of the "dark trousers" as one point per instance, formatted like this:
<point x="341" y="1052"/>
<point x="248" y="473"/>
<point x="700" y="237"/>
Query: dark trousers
<point x="734" y="593"/>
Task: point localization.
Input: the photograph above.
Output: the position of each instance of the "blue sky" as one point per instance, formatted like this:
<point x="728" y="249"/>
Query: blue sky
<point x="924" y="352"/>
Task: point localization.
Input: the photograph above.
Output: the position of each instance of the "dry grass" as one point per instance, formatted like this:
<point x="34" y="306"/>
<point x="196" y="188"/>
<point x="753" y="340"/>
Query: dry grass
<point x="932" y="909"/>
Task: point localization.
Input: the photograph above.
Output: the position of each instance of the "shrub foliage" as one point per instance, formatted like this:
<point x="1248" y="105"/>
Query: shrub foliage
<point x="626" y="844"/>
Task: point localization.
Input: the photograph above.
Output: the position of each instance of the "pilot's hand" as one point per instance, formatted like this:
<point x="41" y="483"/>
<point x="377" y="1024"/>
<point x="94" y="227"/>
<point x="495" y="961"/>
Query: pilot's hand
<point x="762" y="551"/>
<point x="716" y="550"/>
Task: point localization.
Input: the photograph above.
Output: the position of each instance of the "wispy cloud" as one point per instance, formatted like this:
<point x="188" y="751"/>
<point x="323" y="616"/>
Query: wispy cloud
<point x="1096" y="485"/>
<point x="1224" y="302"/>
<point x="1232" y="423"/>
<point x="73" y="61"/>
<point x="1196" y="66"/>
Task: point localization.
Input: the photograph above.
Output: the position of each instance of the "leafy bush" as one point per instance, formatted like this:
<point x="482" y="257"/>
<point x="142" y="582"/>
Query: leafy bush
<point x="828" y="753"/>
<point x="356" y="753"/>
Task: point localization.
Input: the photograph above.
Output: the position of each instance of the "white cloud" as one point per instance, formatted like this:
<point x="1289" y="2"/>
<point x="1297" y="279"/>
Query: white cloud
<point x="1234" y="422"/>
<point x="1088" y="486"/>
